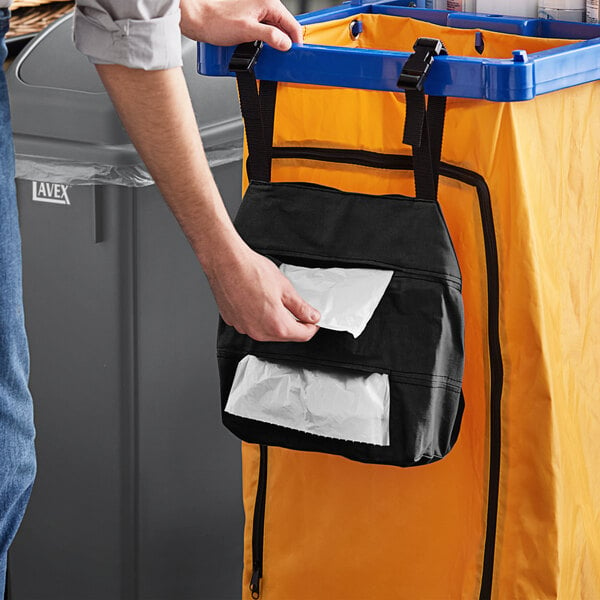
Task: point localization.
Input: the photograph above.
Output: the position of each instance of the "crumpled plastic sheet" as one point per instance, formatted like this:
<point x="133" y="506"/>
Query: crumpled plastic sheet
<point x="334" y="405"/>
<point x="35" y="168"/>
<point x="346" y="298"/>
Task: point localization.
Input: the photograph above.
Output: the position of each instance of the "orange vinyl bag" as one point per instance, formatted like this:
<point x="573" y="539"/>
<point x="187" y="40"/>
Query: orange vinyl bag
<point x="513" y="512"/>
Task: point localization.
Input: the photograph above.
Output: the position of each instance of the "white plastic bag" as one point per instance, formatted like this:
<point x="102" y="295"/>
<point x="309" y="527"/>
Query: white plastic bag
<point x="346" y="298"/>
<point x="335" y="405"/>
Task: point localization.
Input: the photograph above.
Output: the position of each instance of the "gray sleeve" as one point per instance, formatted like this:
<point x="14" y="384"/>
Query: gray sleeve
<point x="141" y="34"/>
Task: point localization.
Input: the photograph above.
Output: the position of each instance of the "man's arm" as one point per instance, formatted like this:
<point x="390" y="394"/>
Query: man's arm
<point x="251" y="292"/>
<point x="155" y="108"/>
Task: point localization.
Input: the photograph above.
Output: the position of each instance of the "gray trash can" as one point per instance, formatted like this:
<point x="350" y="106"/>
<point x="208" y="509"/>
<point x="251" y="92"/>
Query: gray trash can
<point x="138" y="493"/>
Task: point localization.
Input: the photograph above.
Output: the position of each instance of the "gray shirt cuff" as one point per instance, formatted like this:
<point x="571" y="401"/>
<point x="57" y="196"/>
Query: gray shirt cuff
<point x="148" y="44"/>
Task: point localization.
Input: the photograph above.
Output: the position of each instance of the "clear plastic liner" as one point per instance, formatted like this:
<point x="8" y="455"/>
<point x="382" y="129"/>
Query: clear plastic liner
<point x="335" y="405"/>
<point x="346" y="298"/>
<point x="36" y="168"/>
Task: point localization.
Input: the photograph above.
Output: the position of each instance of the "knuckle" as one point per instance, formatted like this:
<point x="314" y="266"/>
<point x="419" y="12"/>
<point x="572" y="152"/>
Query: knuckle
<point x="254" y="333"/>
<point x="288" y="293"/>
<point x="306" y="336"/>
<point x="304" y="309"/>
<point x="281" y="332"/>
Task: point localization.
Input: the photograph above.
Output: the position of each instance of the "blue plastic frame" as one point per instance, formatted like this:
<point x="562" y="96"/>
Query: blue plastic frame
<point x="501" y="80"/>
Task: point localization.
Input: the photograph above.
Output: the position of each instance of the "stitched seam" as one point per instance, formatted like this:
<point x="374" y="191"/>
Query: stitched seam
<point x="449" y="279"/>
<point x="332" y="192"/>
<point x="400" y="376"/>
<point x="334" y="440"/>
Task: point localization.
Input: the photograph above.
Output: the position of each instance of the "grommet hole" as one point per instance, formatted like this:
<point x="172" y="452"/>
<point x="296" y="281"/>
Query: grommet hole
<point x="479" y="43"/>
<point x="355" y="28"/>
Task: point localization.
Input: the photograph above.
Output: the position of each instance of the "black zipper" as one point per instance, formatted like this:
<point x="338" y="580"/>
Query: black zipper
<point x="405" y="162"/>
<point x="258" y="525"/>
<point x="314" y="260"/>
<point x="496" y="365"/>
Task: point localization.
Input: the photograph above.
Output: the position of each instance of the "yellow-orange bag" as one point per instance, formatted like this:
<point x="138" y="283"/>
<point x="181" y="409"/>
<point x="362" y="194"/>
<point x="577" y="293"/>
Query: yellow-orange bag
<point x="513" y="512"/>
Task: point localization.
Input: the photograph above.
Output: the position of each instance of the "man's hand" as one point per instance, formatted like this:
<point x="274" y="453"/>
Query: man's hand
<point x="231" y="22"/>
<point x="258" y="300"/>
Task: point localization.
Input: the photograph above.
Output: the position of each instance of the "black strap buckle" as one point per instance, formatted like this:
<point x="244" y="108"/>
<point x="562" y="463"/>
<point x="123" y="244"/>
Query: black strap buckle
<point x="417" y="66"/>
<point x="244" y="56"/>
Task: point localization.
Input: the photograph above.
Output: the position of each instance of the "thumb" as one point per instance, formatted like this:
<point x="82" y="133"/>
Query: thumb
<point x="272" y="36"/>
<point x="303" y="311"/>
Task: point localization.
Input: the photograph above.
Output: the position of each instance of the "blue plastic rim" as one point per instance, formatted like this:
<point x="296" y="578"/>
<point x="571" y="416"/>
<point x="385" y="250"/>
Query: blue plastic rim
<point x="500" y="80"/>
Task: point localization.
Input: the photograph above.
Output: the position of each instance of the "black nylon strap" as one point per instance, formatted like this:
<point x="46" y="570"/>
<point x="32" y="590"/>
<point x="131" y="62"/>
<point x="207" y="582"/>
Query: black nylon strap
<point x="267" y="99"/>
<point x="415" y="118"/>
<point x="423" y="130"/>
<point x="436" y="114"/>
<point x="258" y="165"/>
<point x="416" y="134"/>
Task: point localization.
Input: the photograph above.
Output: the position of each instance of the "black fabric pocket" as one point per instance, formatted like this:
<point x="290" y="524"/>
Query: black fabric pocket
<point x="415" y="335"/>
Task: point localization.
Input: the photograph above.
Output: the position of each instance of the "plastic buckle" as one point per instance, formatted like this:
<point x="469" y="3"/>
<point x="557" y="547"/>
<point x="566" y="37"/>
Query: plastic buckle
<point x="245" y="56"/>
<point x="417" y="66"/>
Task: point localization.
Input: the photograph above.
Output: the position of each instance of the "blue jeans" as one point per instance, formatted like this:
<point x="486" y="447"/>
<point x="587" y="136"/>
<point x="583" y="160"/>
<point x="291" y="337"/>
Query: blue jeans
<point x="17" y="454"/>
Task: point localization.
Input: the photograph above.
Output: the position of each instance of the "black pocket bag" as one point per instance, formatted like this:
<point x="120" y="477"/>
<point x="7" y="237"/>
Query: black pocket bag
<point x="415" y="336"/>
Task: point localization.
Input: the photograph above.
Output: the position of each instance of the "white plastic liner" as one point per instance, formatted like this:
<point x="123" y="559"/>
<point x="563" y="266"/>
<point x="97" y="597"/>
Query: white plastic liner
<point x="340" y="406"/>
<point x="35" y="168"/>
<point x="346" y="298"/>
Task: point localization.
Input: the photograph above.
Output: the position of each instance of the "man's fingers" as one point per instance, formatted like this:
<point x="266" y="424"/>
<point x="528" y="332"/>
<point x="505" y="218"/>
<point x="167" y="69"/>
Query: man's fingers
<point x="301" y="332"/>
<point x="273" y="36"/>
<point x="284" y="19"/>
<point x="303" y="311"/>
<point x="294" y="331"/>
<point x="284" y="328"/>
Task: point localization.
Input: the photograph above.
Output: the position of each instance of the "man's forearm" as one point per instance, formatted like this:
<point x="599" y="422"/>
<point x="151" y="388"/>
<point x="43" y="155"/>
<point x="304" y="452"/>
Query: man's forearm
<point x="251" y="292"/>
<point x="156" y="111"/>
